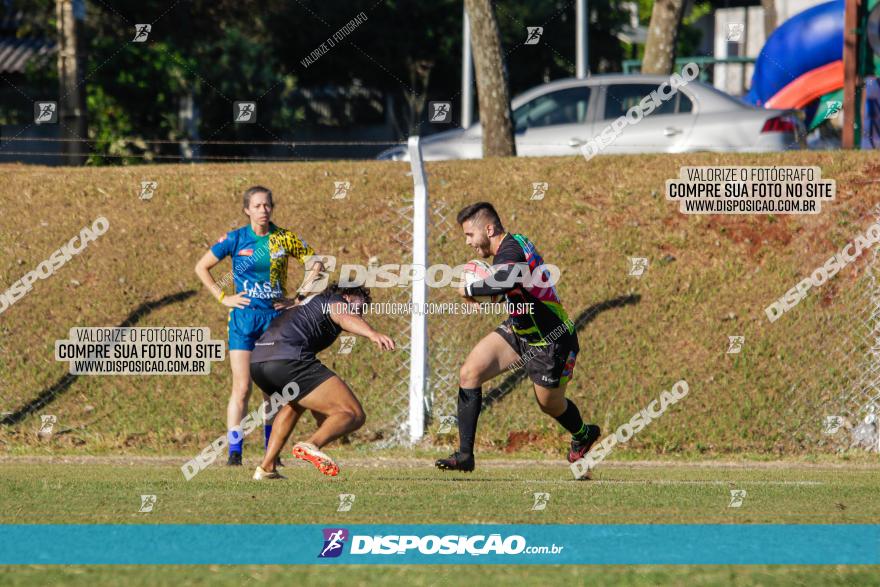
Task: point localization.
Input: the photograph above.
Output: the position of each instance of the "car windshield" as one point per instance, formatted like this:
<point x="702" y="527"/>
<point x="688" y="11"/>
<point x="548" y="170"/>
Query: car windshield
<point x="567" y="106"/>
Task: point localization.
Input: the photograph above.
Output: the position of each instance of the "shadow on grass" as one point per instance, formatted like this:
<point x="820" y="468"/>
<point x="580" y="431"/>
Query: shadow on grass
<point x="509" y="383"/>
<point x="49" y="394"/>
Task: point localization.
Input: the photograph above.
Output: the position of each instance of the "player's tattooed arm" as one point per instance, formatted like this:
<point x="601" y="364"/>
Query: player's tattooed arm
<point x="502" y="280"/>
<point x="354" y="324"/>
<point x="284" y="303"/>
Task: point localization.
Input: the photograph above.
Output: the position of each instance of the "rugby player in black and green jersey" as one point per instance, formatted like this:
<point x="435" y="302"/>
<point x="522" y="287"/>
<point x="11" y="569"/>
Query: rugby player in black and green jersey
<point x="538" y="334"/>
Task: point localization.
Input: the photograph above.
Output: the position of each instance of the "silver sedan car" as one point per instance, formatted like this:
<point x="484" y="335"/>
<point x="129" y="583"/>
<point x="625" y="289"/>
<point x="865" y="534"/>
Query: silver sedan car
<point x="577" y="116"/>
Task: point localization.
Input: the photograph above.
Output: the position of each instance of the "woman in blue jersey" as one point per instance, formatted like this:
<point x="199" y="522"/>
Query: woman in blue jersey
<point x="259" y="252"/>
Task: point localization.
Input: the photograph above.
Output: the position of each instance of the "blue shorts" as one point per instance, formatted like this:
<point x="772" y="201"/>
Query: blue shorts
<point x="246" y="326"/>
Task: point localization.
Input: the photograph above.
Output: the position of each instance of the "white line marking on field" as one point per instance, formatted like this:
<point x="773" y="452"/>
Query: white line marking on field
<point x="694" y="482"/>
<point x="672" y="482"/>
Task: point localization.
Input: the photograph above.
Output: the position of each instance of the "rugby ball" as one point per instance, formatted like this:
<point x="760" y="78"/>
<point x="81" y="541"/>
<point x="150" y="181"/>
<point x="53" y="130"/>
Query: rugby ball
<point x="476" y="270"/>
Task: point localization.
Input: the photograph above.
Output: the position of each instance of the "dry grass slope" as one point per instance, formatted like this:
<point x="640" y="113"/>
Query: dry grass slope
<point x="709" y="277"/>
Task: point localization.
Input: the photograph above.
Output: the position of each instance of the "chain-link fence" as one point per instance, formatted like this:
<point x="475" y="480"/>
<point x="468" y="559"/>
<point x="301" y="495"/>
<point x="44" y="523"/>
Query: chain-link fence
<point x="839" y="408"/>
<point x="808" y="380"/>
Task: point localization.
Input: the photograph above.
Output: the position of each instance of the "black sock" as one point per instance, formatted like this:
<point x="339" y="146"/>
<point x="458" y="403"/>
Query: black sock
<point x="571" y="420"/>
<point x="470" y="400"/>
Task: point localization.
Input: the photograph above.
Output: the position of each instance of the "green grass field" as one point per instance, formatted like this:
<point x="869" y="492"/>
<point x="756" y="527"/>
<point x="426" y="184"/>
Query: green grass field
<point x="411" y="491"/>
<point x="764" y="576"/>
<point x="35" y="490"/>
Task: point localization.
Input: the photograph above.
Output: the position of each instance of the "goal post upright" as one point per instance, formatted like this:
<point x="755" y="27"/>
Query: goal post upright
<point x="419" y="319"/>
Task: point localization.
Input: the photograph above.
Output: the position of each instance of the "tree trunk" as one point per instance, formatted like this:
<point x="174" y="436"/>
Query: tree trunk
<point x="419" y="76"/>
<point x="71" y="61"/>
<point x="662" y="36"/>
<point x="493" y="97"/>
<point x="769" y="16"/>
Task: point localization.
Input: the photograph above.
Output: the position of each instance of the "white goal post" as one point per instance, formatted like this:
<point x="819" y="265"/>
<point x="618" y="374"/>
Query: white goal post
<point x="419" y="319"/>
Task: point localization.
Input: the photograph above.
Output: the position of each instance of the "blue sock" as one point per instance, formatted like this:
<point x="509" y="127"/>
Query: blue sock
<point x="267" y="432"/>
<point x="235" y="438"/>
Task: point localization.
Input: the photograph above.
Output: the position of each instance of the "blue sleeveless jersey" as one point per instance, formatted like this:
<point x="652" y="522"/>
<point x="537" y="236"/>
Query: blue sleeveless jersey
<point x="259" y="263"/>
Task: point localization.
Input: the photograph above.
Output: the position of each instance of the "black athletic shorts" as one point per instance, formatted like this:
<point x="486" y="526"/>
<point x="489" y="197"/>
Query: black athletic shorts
<point x="551" y="365"/>
<point x="272" y="376"/>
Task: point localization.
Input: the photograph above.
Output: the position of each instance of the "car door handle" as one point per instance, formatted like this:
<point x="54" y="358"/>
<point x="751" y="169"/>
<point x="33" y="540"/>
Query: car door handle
<point x="671" y="131"/>
<point x="576" y="142"/>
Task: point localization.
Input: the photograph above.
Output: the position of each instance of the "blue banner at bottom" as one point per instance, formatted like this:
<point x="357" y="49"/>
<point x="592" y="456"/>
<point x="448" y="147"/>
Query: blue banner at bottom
<point x="612" y="544"/>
